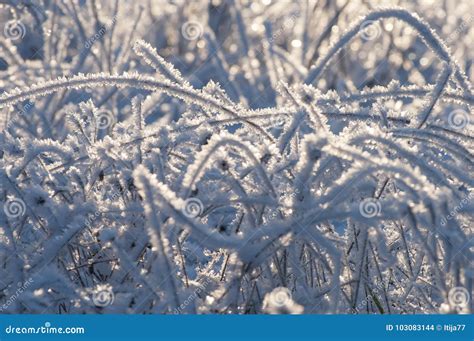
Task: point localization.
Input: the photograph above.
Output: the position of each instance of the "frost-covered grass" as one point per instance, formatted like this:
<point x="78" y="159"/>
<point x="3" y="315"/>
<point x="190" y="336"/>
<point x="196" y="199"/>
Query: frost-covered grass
<point x="236" y="157"/>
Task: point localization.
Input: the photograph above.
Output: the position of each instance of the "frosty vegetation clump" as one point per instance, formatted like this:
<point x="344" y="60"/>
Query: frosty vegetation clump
<point x="299" y="166"/>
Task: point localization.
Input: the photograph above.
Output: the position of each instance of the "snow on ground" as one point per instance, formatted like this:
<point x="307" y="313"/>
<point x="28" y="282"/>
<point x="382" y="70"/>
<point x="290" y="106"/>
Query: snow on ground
<point x="234" y="156"/>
